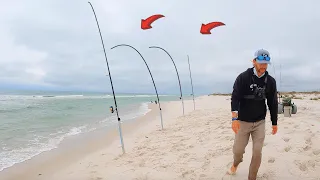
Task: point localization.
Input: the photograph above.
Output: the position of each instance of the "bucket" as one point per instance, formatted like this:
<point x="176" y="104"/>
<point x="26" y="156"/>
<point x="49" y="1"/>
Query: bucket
<point x="287" y="111"/>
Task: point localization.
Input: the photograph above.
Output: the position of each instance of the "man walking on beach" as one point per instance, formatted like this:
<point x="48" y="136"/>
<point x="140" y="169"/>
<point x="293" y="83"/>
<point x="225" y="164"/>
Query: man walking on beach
<point x="250" y="90"/>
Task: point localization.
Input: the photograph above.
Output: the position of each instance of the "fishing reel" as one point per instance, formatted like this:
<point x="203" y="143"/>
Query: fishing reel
<point x="111" y="109"/>
<point x="259" y="93"/>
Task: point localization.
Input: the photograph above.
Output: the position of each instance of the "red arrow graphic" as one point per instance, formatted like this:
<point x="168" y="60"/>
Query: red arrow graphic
<point x="146" y="23"/>
<point x="205" y="28"/>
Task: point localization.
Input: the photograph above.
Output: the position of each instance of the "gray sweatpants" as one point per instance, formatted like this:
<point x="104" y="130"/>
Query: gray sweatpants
<point x="257" y="132"/>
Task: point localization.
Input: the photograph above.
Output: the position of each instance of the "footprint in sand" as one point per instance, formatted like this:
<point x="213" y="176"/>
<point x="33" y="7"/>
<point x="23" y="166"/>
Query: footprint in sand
<point x="187" y="173"/>
<point x="305" y="165"/>
<point x="205" y="164"/>
<point x="178" y="147"/>
<point x="301" y="165"/>
<point x="202" y="176"/>
<point x="184" y="155"/>
<point x="129" y="162"/>
<point x="142" y="163"/>
<point x="316" y="152"/>
<point x="308" y="141"/>
<point x="97" y="178"/>
<point x="286" y="139"/>
<point x="140" y="153"/>
<point x="271" y="160"/>
<point x="265" y="176"/>
<point x="185" y="139"/>
<point x="309" y="131"/>
<point x="306" y="148"/>
<point x="287" y="149"/>
<point x="311" y="163"/>
<point x="312" y="134"/>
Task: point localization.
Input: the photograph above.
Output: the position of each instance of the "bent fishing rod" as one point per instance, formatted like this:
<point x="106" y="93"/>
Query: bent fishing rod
<point x="114" y="97"/>
<point x="154" y="85"/>
<point x="176" y="72"/>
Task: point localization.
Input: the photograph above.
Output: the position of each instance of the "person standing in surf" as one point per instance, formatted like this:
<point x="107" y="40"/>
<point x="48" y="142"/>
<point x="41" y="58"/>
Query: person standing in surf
<point x="250" y="91"/>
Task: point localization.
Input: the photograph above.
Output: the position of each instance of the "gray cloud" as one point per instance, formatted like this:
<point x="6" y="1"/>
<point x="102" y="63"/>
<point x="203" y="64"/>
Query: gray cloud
<point x="56" y="43"/>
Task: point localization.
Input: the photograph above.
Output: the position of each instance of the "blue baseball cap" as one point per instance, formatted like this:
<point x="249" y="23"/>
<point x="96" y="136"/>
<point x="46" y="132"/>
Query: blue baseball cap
<point x="262" y="56"/>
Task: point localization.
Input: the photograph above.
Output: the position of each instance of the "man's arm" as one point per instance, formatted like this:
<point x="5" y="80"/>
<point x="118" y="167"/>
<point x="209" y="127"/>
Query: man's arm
<point x="272" y="101"/>
<point x="236" y="94"/>
<point x="235" y="102"/>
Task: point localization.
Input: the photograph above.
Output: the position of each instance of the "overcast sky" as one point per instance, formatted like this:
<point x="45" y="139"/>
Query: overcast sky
<point x="55" y="44"/>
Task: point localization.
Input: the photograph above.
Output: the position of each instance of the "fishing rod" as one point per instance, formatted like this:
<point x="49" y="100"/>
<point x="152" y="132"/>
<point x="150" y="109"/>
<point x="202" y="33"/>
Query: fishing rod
<point x="194" y="105"/>
<point x="114" y="97"/>
<point x="275" y="76"/>
<point x="280" y="82"/>
<point x="176" y="71"/>
<point x="274" y="71"/>
<point x="150" y="76"/>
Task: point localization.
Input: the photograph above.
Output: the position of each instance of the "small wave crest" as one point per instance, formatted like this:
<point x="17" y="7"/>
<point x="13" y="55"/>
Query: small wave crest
<point x="144" y="108"/>
<point x="39" y="144"/>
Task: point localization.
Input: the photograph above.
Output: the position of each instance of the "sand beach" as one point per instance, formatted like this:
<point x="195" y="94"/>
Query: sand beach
<point x="197" y="145"/>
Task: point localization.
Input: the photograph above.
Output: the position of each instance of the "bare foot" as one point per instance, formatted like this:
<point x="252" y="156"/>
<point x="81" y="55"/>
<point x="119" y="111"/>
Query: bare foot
<point x="232" y="170"/>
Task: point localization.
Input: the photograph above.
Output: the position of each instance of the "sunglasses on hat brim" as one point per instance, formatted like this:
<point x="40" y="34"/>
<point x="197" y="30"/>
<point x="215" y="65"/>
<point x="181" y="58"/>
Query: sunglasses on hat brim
<point x="260" y="58"/>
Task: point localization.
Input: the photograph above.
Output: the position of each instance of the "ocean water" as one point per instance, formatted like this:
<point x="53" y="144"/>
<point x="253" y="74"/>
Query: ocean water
<point x="31" y="123"/>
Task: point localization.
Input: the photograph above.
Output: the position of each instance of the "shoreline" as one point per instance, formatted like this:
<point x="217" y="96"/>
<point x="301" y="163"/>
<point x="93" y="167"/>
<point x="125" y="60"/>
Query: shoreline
<point x="81" y="145"/>
<point x="98" y="123"/>
<point x="32" y="126"/>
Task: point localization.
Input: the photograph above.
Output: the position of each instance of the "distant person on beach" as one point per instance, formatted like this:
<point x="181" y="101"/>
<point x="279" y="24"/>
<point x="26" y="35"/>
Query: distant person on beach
<point x="250" y="90"/>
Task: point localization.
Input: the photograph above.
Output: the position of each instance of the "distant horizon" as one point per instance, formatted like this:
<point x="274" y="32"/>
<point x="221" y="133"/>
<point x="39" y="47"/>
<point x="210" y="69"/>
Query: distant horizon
<point x="81" y="92"/>
<point x="13" y="87"/>
<point x="16" y="91"/>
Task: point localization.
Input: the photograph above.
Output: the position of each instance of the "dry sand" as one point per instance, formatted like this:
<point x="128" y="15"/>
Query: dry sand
<point x="199" y="146"/>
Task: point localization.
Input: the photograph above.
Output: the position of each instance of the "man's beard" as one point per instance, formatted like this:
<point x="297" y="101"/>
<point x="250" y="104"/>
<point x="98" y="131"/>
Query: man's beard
<point x="261" y="70"/>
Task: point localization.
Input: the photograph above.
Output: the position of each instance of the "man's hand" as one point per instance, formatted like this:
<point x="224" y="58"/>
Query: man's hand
<point x="274" y="129"/>
<point x="235" y="126"/>
<point x="235" y="123"/>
